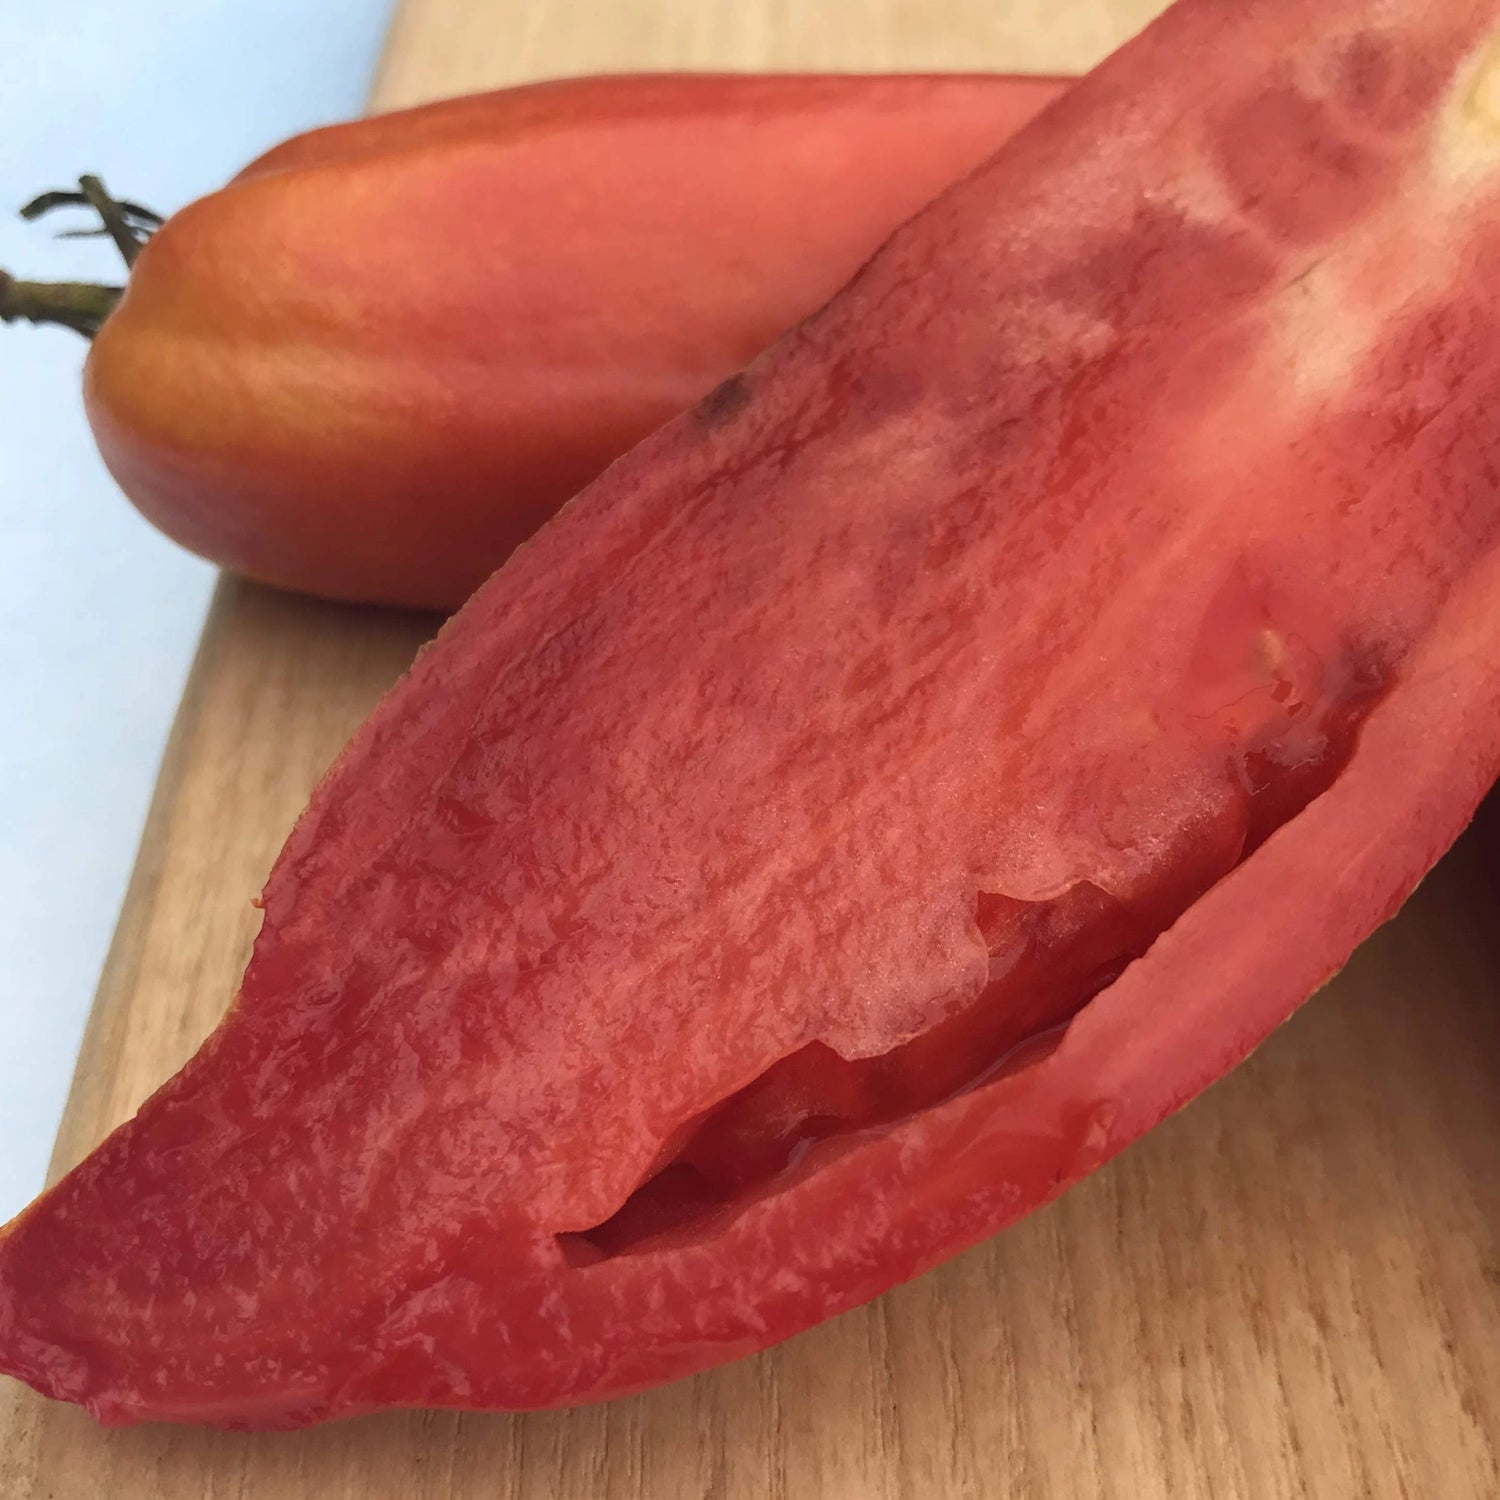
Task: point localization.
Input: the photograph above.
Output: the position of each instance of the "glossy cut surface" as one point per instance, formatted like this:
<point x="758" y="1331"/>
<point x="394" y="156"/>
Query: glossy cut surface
<point x="386" y="352"/>
<point x="884" y="795"/>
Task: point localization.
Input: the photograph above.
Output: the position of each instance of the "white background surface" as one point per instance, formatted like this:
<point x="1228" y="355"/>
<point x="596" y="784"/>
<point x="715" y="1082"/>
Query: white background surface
<point x="99" y="615"/>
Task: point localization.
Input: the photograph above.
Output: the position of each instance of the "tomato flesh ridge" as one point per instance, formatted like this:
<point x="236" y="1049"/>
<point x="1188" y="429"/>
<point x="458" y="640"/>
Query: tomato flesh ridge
<point x="1289" y="737"/>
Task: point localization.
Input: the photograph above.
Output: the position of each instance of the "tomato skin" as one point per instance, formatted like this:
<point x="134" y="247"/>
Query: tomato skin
<point x="1106" y="560"/>
<point x="384" y="354"/>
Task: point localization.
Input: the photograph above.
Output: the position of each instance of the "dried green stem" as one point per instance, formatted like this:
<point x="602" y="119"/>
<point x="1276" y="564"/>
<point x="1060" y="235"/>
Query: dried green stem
<point x="112" y="216"/>
<point x="141" y="218"/>
<point x="80" y="305"/>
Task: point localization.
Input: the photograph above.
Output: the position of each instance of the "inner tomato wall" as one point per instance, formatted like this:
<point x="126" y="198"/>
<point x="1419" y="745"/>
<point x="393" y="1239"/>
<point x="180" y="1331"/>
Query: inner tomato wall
<point x="1286" y="739"/>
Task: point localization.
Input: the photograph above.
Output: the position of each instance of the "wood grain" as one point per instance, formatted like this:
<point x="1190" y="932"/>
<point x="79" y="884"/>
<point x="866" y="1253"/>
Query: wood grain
<point x="1291" y="1290"/>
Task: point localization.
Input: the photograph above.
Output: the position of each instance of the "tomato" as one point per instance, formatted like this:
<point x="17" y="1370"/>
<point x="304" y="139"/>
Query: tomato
<point x="386" y="352"/>
<point x="884" y="794"/>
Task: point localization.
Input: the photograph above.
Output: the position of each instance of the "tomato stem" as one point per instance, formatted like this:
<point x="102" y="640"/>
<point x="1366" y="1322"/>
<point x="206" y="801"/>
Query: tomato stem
<point x="128" y="224"/>
<point x="80" y="305"/>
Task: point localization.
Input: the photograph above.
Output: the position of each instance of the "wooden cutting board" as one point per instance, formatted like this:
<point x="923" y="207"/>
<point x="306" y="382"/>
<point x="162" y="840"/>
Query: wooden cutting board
<point x="1291" y="1290"/>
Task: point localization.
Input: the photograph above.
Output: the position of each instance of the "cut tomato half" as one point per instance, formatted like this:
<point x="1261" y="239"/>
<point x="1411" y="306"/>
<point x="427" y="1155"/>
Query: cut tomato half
<point x="885" y="794"/>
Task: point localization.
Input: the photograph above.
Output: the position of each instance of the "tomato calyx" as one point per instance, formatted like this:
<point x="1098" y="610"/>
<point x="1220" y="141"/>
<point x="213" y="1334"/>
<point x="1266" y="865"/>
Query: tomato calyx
<point x="80" y="305"/>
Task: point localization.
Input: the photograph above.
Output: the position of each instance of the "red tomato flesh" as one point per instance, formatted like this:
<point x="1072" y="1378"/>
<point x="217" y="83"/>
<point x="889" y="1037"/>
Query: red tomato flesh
<point x="1287" y="731"/>
<point x="885" y="794"/>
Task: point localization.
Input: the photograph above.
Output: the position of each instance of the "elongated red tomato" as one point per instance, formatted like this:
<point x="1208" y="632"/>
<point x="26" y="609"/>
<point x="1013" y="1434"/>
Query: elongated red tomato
<point x="386" y="352"/>
<point x="885" y="794"/>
